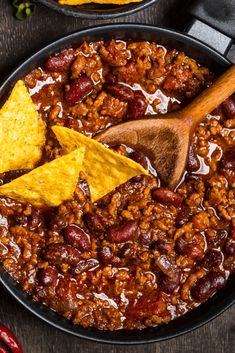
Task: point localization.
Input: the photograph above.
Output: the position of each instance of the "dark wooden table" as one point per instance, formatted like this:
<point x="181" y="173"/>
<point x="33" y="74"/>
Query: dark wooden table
<point x="17" y="41"/>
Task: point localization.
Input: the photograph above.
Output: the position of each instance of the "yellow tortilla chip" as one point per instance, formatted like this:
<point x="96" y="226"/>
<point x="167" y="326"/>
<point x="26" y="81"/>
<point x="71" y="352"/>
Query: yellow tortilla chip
<point x="49" y="184"/>
<point x="81" y="2"/>
<point x="22" y="131"/>
<point x="105" y="169"/>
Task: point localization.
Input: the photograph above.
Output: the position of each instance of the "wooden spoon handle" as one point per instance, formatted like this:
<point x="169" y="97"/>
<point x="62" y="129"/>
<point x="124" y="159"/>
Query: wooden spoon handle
<point x="211" y="97"/>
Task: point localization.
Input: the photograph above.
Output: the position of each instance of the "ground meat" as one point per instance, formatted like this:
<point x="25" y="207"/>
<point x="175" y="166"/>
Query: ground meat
<point x="143" y="251"/>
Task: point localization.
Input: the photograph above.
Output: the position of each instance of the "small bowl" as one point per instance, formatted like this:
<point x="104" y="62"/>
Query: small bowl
<point x="97" y="11"/>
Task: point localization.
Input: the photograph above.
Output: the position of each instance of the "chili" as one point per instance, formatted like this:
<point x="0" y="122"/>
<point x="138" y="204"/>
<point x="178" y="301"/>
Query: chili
<point x="3" y="350"/>
<point x="143" y="254"/>
<point x="8" y="338"/>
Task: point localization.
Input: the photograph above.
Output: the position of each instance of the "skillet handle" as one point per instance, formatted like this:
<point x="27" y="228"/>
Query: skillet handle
<point x="213" y="23"/>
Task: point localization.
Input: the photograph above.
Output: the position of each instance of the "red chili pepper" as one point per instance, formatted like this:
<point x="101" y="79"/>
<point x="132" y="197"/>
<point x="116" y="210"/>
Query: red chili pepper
<point x="3" y="350"/>
<point x="7" y="337"/>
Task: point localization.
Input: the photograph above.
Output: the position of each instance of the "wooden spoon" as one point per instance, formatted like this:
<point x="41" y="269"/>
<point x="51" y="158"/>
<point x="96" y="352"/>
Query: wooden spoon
<point x="165" y="139"/>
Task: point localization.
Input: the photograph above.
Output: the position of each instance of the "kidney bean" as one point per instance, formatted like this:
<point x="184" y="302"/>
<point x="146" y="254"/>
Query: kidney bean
<point x="137" y="178"/>
<point x="183" y="217"/>
<point x="206" y="286"/>
<point x="213" y="259"/>
<point x="60" y="62"/>
<point x="84" y="265"/>
<point x="229" y="247"/>
<point x="166" y="196"/>
<point x="137" y="107"/>
<point x="36" y="218"/>
<point x="229" y="107"/>
<point x="105" y="255"/>
<point x="140" y="158"/>
<point x="77" y="237"/>
<point x="228" y="160"/>
<point x="162" y="246"/>
<point x="193" y="163"/>
<point x="96" y="221"/>
<point x="20" y="219"/>
<point x="79" y="89"/>
<point x="7" y="337"/>
<point x="127" y="251"/>
<point x="218" y="110"/>
<point x="123" y="232"/>
<point x="59" y="253"/>
<point x="169" y="284"/>
<point x="181" y="246"/>
<point x="48" y="276"/>
<point x="194" y="248"/>
<point x="218" y="240"/>
<point x="120" y="92"/>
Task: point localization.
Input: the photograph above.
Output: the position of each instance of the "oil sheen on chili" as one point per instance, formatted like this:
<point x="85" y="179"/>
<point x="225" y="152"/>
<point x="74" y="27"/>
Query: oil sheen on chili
<point x="143" y="254"/>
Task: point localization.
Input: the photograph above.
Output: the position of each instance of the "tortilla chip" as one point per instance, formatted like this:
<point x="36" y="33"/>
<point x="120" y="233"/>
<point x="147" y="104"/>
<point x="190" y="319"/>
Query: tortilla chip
<point x="105" y="169"/>
<point x="81" y="2"/>
<point x="49" y="184"/>
<point x="22" y="131"/>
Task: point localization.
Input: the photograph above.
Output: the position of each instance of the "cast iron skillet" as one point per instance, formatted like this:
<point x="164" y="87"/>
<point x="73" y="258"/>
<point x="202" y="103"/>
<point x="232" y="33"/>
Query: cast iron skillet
<point x="226" y="296"/>
<point x="97" y="11"/>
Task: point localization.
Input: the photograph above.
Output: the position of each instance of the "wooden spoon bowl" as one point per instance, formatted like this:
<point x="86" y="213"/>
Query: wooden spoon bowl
<point x="165" y="139"/>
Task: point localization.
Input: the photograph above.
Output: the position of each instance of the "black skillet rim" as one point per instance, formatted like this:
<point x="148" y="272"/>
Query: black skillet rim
<point x="207" y="311"/>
